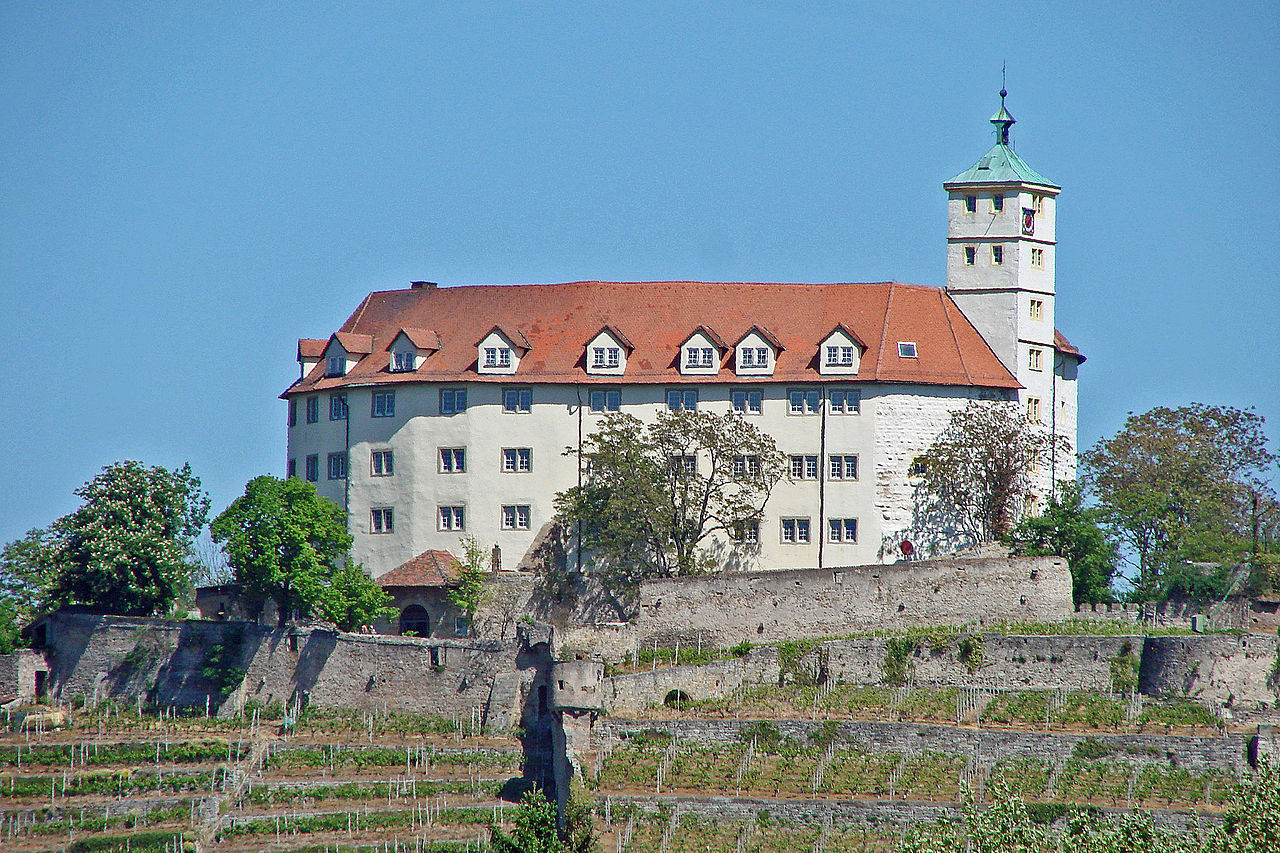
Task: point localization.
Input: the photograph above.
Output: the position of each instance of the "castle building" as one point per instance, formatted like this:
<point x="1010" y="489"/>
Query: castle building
<point x="438" y="412"/>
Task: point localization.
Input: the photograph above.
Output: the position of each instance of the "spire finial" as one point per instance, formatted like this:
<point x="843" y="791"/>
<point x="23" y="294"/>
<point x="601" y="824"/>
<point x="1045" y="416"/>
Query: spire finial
<point x="1003" y="120"/>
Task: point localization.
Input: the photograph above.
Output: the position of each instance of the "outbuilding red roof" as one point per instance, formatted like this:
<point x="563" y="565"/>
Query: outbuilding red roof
<point x="659" y="316"/>
<point x="430" y="568"/>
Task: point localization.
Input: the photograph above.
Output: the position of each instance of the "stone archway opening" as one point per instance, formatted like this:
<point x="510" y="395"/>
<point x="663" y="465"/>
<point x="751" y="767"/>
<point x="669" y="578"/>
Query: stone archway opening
<point x="415" y="619"/>
<point x="677" y="699"/>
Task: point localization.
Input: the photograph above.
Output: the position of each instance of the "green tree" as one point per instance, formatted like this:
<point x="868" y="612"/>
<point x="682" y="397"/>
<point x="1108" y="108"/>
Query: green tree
<point x="28" y="567"/>
<point x="533" y="830"/>
<point x="470" y="589"/>
<point x="1179" y="485"/>
<point x="126" y="548"/>
<point x="352" y="599"/>
<point x="979" y="472"/>
<point x="1068" y="529"/>
<point x="651" y="495"/>
<point x="284" y="542"/>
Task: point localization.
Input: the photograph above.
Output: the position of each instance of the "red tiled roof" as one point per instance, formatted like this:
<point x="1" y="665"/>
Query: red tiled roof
<point x="311" y="348"/>
<point x="430" y="568"/>
<point x="355" y="343"/>
<point x="511" y="333"/>
<point x="420" y="338"/>
<point x="841" y="327"/>
<point x="1061" y="344"/>
<point x="617" y="336"/>
<point x="558" y="318"/>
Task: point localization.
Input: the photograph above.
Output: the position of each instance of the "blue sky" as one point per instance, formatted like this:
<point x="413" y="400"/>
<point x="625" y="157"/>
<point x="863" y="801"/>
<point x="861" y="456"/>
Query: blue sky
<point x="188" y="188"/>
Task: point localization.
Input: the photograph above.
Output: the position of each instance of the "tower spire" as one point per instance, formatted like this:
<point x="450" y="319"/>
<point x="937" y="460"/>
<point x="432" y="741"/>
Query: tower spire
<point x="1003" y="119"/>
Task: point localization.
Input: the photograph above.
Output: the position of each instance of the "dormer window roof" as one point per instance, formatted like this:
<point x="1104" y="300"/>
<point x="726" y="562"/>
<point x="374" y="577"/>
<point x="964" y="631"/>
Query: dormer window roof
<point x="607" y="351"/>
<point x="343" y="350"/>
<point x="840" y="352"/>
<point x="501" y="349"/>
<point x="756" y="352"/>
<point x="700" y="353"/>
<point x="423" y="339"/>
<point x="409" y="348"/>
<point x="515" y="338"/>
<point x="353" y="343"/>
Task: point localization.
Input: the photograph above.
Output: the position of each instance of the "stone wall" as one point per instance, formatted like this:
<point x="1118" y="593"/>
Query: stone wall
<point x="168" y="662"/>
<point x="1227" y="669"/>
<point x="18" y="674"/>
<point x="765" y="607"/>
<point x="987" y="746"/>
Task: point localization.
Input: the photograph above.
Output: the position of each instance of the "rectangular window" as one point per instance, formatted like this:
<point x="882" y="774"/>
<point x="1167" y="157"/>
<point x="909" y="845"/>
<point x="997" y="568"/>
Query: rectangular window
<point x="795" y="531"/>
<point x="691" y="356"/>
<point x="747" y="401"/>
<point x="907" y="349"/>
<point x="746" y="466"/>
<point x="1033" y="410"/>
<point x="1037" y="202"/>
<point x="453" y="518"/>
<point x="803" y="401"/>
<point x="337" y="366"/>
<point x="843" y="467"/>
<point x="685" y="464"/>
<point x="677" y="400"/>
<point x="762" y="356"/>
<point x="971" y="204"/>
<point x="804" y="467"/>
<point x="453" y="460"/>
<point x="291" y="468"/>
<point x="1035" y="358"/>
<point x="708" y="359"/>
<point x="337" y="466"/>
<point x="384" y="404"/>
<point x="842" y="530"/>
<point x="517" y="400"/>
<point x="337" y="407"/>
<point x="293" y="411"/>
<point x="747" y="357"/>
<point x="614" y="357"/>
<point x="461" y="626"/>
<point x="453" y="400"/>
<point x="1037" y="309"/>
<point x="997" y="255"/>
<point x="515" y="517"/>
<point x="497" y="356"/>
<point x="605" y="400"/>
<point x="313" y="409"/>
<point x="381" y="520"/>
<point x="517" y="460"/>
<point x="313" y="467"/>
<point x="402" y="361"/>
<point x="597" y="356"/>
<point x="745" y="531"/>
<point x="997" y="204"/>
<point x="1037" y="257"/>
<point x="382" y="464"/>
<point x="845" y="401"/>
<point x="970" y="255"/>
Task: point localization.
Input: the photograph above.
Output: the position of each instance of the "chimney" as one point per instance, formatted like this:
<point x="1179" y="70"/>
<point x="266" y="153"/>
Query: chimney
<point x="420" y="285"/>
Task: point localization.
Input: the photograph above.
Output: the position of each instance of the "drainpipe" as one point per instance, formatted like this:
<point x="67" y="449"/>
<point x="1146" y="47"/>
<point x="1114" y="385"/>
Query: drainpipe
<point x="577" y="390"/>
<point x="346" y="481"/>
<point x="1058" y="361"/>
<point x="822" y="474"/>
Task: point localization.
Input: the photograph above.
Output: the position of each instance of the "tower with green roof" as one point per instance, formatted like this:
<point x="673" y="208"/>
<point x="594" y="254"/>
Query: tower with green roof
<point x="1001" y="248"/>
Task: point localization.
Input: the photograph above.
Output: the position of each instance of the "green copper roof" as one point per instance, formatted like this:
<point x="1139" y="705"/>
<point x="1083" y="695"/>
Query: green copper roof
<point x="1001" y="165"/>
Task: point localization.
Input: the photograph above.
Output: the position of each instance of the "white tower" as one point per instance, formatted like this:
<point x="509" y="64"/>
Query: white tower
<point x="1001" y="246"/>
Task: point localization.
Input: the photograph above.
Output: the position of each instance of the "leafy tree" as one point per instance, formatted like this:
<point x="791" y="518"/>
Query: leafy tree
<point x="352" y="599"/>
<point x="534" y="828"/>
<point x="1067" y="529"/>
<point x="284" y="541"/>
<point x="979" y="472"/>
<point x="28" y="567"/>
<point x="652" y="494"/>
<point x="125" y="549"/>
<point x="469" y="590"/>
<point x="1179" y="485"/>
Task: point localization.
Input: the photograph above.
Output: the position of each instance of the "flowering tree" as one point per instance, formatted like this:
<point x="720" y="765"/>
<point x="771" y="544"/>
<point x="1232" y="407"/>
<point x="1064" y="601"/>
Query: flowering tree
<point x="126" y="549"/>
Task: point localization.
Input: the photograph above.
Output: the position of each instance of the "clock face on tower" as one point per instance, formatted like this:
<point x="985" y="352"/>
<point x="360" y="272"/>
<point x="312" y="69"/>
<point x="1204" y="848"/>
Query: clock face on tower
<point x="1028" y="221"/>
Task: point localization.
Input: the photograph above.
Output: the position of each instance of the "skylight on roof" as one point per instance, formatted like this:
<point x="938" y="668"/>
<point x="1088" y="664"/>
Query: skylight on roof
<point x="906" y="349"/>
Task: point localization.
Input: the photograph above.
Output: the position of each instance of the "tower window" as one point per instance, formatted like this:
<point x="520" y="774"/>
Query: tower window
<point x="971" y="204"/>
<point x="1037" y="203"/>
<point x="997" y="204"/>
<point x="1037" y="309"/>
<point x="1037" y="257"/>
<point x="970" y="255"/>
<point x="997" y="255"/>
<point x="1033" y="410"/>
<point x="1035" y="358"/>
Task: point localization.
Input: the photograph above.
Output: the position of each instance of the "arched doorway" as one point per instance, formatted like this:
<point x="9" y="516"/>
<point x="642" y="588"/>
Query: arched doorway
<point x="416" y="619"/>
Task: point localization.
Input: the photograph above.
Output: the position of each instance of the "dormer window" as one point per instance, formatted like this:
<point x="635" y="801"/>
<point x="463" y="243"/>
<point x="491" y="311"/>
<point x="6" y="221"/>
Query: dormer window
<point x="497" y="356"/>
<point x="402" y="362"/>
<point x="337" y="366"/>
<point x="605" y="357"/>
<point x="699" y="357"/>
<point x="700" y="354"/>
<point x="839" y="356"/>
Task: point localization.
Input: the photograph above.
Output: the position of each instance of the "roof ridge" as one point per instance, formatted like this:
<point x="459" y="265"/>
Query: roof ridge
<point x="955" y="339"/>
<point x="884" y="330"/>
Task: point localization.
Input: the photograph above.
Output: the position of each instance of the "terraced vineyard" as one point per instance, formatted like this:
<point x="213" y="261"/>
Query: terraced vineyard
<point x="848" y="768"/>
<point x="113" y="780"/>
